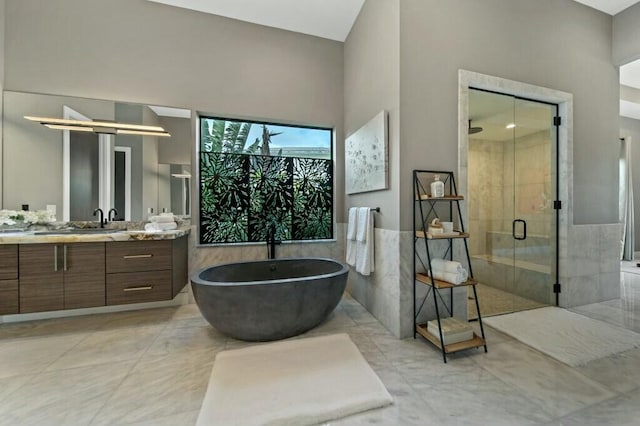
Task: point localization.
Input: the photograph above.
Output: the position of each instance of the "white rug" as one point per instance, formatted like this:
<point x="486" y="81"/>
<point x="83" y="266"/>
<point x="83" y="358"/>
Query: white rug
<point x="570" y="338"/>
<point x="292" y="382"/>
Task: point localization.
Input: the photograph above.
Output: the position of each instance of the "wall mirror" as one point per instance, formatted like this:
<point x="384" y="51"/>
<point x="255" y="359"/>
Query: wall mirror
<point x="76" y="172"/>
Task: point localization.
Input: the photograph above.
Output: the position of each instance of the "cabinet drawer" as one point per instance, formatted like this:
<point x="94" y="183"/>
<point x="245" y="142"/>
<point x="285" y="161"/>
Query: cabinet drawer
<point x="137" y="256"/>
<point x="138" y="287"/>
<point x="8" y="262"/>
<point x="8" y="297"/>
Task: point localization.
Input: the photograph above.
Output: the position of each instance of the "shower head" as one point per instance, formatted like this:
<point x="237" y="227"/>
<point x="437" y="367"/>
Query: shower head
<point x="474" y="130"/>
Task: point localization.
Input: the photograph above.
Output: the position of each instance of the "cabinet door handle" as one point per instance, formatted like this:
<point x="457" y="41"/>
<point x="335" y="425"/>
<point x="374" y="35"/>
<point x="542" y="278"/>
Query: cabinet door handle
<point x="137" y="256"/>
<point x="141" y="288"/>
<point x="55" y="258"/>
<point x="64" y="257"/>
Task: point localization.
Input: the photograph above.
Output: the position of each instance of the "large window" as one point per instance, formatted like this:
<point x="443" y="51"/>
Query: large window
<point x="262" y="179"/>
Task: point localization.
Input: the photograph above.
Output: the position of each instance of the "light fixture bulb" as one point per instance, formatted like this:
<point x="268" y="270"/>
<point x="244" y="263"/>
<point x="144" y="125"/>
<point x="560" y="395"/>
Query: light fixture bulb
<point x="510" y="125"/>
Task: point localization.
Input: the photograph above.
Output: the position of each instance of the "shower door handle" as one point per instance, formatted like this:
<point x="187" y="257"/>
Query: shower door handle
<point x="524" y="230"/>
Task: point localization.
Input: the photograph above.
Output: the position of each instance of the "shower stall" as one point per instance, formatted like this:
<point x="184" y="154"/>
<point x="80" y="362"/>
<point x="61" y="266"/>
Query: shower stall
<point x="512" y="185"/>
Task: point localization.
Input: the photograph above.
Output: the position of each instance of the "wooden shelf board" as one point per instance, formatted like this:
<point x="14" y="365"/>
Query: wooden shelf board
<point x="445" y="198"/>
<point x="425" y="279"/>
<point x="421" y="234"/>
<point x="474" y="342"/>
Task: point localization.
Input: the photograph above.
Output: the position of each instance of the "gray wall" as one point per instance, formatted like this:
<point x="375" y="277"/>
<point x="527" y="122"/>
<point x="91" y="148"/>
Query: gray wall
<point x="178" y="148"/>
<point x="372" y="83"/>
<point x="631" y="127"/>
<point x="150" y="152"/>
<point x="559" y="44"/>
<point x="626" y="35"/>
<point x="150" y="53"/>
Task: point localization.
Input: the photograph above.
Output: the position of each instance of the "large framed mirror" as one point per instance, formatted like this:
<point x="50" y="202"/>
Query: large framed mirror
<point x="75" y="172"/>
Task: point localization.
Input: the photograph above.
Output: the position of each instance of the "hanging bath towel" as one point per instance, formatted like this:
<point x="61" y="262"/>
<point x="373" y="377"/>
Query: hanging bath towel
<point x="351" y="236"/>
<point x="365" y="242"/>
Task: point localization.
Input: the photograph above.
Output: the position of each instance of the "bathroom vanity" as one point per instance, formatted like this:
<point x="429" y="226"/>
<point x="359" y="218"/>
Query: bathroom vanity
<point x="40" y="273"/>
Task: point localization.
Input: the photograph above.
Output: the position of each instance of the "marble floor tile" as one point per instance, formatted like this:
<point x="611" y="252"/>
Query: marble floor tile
<point x="557" y="388"/>
<point x="186" y="312"/>
<point x="479" y="398"/>
<point x="31" y="355"/>
<point x="11" y="384"/>
<point x="152" y="367"/>
<point x="105" y="346"/>
<point x="180" y="339"/>
<point x="54" y="326"/>
<point x="623" y="410"/>
<point x="159" y="387"/>
<point x="139" y="318"/>
<point x="619" y="372"/>
<point x="70" y="397"/>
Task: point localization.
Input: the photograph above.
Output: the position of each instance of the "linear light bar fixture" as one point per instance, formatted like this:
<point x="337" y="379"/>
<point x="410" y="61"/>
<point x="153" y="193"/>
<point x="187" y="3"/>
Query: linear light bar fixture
<point x="98" y="126"/>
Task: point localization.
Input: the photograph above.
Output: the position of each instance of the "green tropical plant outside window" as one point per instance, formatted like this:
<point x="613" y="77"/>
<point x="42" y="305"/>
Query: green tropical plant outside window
<point x="259" y="178"/>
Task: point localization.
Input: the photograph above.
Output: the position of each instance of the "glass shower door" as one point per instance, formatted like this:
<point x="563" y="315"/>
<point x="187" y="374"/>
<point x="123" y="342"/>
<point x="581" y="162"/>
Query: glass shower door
<point x="511" y="188"/>
<point x="533" y="187"/>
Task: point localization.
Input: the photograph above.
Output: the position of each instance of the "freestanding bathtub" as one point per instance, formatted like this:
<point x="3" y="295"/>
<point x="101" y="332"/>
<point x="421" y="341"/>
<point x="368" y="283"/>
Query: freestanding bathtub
<point x="269" y="299"/>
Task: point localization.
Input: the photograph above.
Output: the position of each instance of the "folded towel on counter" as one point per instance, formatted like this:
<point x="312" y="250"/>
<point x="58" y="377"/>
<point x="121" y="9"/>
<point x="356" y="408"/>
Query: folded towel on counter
<point x="450" y="277"/>
<point x="351" y="236"/>
<point x="163" y="218"/>
<point x="159" y="227"/>
<point x="446" y="265"/>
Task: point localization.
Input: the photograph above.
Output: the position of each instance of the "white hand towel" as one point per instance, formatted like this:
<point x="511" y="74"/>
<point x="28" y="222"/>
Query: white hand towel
<point x="164" y="218"/>
<point x="446" y="265"/>
<point x="351" y="236"/>
<point x="364" y="215"/>
<point x="352" y="223"/>
<point x="365" y="263"/>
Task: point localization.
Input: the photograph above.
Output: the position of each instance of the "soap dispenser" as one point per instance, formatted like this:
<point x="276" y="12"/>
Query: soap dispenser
<point x="437" y="187"/>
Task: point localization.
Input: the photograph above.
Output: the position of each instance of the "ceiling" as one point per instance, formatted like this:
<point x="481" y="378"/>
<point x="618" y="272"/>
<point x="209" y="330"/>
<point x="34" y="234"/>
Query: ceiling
<point x="612" y="7"/>
<point x="333" y="19"/>
<point x="330" y="19"/>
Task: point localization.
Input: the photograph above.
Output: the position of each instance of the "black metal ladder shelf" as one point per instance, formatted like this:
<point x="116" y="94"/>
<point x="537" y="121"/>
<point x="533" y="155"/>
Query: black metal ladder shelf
<point x="425" y="209"/>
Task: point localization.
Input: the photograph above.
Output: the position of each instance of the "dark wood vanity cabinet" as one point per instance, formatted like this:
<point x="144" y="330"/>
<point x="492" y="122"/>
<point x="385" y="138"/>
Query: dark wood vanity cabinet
<point x="41" y="277"/>
<point x="145" y="271"/>
<point x="61" y="276"/>
<point x="9" y="279"/>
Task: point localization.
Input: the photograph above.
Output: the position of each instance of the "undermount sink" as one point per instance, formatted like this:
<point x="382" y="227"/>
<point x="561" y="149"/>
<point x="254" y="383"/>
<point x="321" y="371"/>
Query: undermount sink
<point x="79" y="231"/>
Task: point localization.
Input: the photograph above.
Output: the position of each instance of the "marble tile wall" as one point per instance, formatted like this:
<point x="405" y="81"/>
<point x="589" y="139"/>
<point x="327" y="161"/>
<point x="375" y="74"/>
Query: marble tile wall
<point x="592" y="269"/>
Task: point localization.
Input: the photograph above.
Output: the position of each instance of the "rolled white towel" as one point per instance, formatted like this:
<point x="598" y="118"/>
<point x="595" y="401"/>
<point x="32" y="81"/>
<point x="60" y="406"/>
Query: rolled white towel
<point x="450" y="277"/>
<point x="163" y="218"/>
<point x="446" y="265"/>
<point x="159" y="227"/>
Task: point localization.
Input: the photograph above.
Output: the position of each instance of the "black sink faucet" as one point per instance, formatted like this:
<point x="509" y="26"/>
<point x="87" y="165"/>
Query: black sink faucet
<point x="272" y="242"/>
<point x="101" y="216"/>
<point x="115" y="213"/>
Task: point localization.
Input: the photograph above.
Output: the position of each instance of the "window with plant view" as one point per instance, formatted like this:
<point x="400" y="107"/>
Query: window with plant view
<point x="259" y="180"/>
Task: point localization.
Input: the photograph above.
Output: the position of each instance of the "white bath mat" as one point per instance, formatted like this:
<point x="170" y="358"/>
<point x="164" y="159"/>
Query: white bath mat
<point x="292" y="382"/>
<point x="570" y="338"/>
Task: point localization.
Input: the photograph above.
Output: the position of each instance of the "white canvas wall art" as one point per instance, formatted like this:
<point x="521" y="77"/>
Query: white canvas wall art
<point x="366" y="157"/>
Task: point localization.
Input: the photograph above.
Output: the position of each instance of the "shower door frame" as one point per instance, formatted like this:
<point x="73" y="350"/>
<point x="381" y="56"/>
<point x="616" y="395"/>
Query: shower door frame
<point x="564" y="150"/>
<point x="557" y="204"/>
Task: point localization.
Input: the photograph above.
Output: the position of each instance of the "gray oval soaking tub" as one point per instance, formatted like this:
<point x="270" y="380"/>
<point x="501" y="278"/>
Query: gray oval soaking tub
<point x="269" y="299"/>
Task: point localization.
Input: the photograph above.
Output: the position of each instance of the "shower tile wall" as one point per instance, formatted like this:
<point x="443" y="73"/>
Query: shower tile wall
<point x="494" y="173"/>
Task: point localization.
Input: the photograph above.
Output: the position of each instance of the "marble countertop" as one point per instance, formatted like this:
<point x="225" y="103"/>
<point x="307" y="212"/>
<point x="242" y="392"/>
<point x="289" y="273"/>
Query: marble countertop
<point x="34" y="237"/>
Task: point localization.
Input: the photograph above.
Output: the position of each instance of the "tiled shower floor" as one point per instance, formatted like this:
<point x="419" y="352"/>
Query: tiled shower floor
<point x="494" y="301"/>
